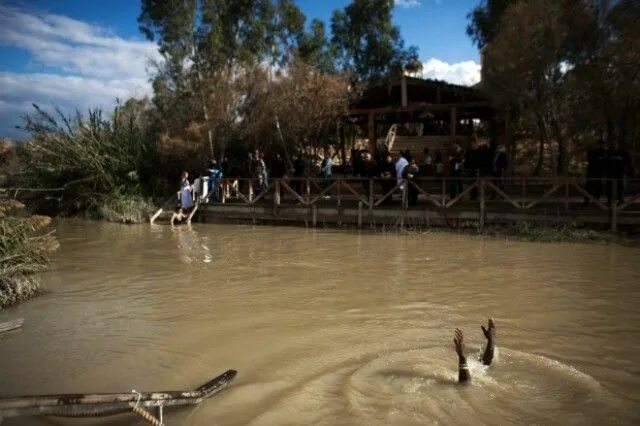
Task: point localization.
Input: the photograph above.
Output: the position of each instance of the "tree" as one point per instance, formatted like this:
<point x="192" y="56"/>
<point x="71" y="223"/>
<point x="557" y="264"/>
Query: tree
<point x="366" y="41"/>
<point x="315" y="49"/>
<point x="484" y="20"/>
<point x="569" y="68"/>
<point x="206" y="46"/>
<point x="523" y="63"/>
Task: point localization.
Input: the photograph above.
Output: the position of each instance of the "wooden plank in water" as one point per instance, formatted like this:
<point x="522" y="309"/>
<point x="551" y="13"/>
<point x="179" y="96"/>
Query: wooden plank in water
<point x="103" y="404"/>
<point x="11" y="325"/>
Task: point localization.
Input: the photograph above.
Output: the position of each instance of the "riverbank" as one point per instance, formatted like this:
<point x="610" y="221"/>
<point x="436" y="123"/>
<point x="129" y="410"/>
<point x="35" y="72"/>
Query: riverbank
<point x="529" y="231"/>
<point x="533" y="232"/>
<point x="25" y="246"/>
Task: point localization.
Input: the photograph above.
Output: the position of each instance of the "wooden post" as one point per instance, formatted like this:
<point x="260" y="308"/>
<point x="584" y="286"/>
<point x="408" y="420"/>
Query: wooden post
<point x="403" y="92"/>
<point x="566" y="194"/>
<point x="444" y="192"/>
<point x="338" y="184"/>
<point x="250" y="191"/>
<point x="614" y="204"/>
<point x="276" y="196"/>
<point x="454" y="121"/>
<point x="371" y="194"/>
<point x="405" y="195"/>
<point x="159" y="411"/>
<point x="314" y="215"/>
<point x="343" y="150"/>
<point x="482" y="205"/>
<point x="359" y="214"/>
<point x="308" y="182"/>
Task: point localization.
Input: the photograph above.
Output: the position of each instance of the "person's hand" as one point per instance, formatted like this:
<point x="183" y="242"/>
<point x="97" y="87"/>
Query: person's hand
<point x="490" y="331"/>
<point x="458" y="341"/>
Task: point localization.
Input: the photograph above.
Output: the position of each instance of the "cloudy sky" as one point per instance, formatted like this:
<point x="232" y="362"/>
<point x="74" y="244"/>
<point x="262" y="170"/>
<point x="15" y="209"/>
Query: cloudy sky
<point x="76" y="54"/>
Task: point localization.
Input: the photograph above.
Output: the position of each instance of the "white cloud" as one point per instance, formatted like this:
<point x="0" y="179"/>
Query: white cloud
<point x="407" y="3"/>
<point x="84" y="65"/>
<point x="466" y="73"/>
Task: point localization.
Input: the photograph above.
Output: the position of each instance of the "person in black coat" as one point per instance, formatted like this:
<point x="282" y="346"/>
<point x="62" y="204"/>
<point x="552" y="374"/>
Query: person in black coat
<point x="388" y="174"/>
<point x="500" y="164"/>
<point x="618" y="165"/>
<point x="409" y="173"/>
<point x="278" y="169"/>
<point x="596" y="167"/>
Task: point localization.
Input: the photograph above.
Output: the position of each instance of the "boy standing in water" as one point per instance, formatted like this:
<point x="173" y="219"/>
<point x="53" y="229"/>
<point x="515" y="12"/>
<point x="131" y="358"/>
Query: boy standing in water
<point x="487" y="356"/>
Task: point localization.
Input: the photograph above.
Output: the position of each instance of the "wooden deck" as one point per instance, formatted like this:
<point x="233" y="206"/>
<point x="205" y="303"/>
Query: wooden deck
<point x="361" y="202"/>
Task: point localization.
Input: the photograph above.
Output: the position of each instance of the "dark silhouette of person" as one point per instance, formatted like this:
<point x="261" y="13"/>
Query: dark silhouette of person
<point x="618" y="165"/>
<point x="225" y="166"/>
<point x="487" y="356"/>
<point x="439" y="164"/>
<point x="278" y="168"/>
<point x="428" y="169"/>
<point x="456" y="161"/>
<point x="388" y="175"/>
<point x="369" y="170"/>
<point x="499" y="167"/>
<point x="298" y="173"/>
<point x="596" y="168"/>
<point x="472" y="162"/>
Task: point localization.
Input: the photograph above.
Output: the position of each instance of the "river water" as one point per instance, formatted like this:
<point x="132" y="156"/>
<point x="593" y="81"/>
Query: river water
<point x="332" y="327"/>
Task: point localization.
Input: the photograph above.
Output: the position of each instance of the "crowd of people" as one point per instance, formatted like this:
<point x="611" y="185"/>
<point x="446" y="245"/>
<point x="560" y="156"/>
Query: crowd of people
<point x="607" y="167"/>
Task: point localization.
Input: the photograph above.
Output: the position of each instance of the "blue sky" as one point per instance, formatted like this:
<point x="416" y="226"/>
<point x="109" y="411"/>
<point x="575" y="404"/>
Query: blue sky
<point x="81" y="54"/>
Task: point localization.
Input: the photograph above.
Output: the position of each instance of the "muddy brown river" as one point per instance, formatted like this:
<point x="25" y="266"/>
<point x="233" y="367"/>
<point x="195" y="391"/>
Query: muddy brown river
<point x="331" y="327"/>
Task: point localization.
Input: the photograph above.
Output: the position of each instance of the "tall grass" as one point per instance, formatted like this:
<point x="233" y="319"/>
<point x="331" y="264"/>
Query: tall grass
<point x="23" y="252"/>
<point x="94" y="159"/>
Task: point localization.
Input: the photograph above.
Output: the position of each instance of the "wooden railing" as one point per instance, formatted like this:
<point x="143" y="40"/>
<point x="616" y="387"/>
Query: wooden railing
<point x="563" y="195"/>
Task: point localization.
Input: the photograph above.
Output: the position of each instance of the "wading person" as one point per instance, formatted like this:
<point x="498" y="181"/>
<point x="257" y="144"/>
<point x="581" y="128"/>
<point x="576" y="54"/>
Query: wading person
<point x="185" y="198"/>
<point x="487" y="356"/>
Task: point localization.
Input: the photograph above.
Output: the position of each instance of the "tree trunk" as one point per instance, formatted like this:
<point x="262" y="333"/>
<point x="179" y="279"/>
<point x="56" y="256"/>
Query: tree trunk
<point x="542" y="136"/>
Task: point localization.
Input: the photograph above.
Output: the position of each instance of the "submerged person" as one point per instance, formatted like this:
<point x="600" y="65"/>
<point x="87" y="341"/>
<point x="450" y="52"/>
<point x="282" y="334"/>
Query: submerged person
<point x="487" y="356"/>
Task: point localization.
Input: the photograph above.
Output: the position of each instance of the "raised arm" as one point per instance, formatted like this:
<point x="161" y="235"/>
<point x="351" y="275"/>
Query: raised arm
<point x="490" y="335"/>
<point x="463" y="370"/>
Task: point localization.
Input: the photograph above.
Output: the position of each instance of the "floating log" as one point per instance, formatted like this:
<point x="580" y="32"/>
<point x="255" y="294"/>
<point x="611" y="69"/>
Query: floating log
<point x="105" y="404"/>
<point x="11" y="325"/>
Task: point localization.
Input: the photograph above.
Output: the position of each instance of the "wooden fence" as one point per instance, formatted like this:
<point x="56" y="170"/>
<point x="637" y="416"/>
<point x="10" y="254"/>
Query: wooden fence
<point x="563" y="196"/>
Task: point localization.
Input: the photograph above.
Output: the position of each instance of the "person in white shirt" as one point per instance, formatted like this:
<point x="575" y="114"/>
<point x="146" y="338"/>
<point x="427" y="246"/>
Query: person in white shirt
<point x="400" y="165"/>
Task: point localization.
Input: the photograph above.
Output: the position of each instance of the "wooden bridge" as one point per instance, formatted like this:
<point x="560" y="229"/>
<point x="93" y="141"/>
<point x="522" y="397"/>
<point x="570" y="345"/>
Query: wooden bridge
<point x="371" y="202"/>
